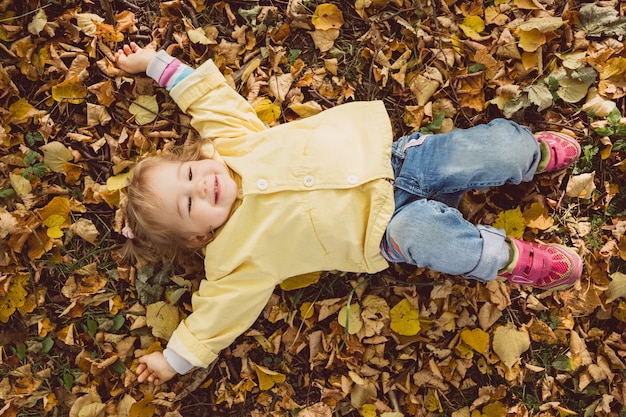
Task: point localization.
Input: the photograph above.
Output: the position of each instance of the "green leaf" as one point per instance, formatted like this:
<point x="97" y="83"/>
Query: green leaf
<point x="604" y="131"/>
<point x="91" y="327"/>
<point x="30" y="158"/>
<point x="563" y="363"/>
<point x="119" y="367"/>
<point x="614" y="117"/>
<point x="67" y="381"/>
<point x="46" y="345"/>
<point x="118" y="322"/>
<point x="7" y="192"/>
<point x="33" y="137"/>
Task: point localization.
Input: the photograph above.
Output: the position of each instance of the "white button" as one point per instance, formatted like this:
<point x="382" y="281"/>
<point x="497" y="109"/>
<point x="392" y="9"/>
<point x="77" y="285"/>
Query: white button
<point x="352" y="179"/>
<point x="309" y="180"/>
<point x="261" y="184"/>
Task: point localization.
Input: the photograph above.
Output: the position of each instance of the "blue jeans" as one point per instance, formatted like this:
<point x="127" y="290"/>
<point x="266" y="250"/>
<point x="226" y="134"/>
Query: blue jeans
<point x="432" y="172"/>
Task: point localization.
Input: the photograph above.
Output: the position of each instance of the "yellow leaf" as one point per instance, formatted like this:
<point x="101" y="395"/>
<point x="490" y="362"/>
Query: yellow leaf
<point x="404" y="319"/>
<point x="368" y="410"/>
<point x="58" y="205"/>
<point x="145" y="109"/>
<point x="307" y="310"/>
<point x="267" y="377"/>
<point x="512" y="221"/>
<point x="307" y="109"/>
<point x="143" y="408"/>
<point x="55" y="155"/>
<point x="20" y="184"/>
<point x="69" y="91"/>
<point x="54" y="223"/>
<point x="15" y="297"/>
<point x="163" y="318"/>
<point x="494" y="409"/>
<point x="509" y="343"/>
<point x="327" y="16"/>
<point x="299" y="281"/>
<point x="350" y="317"/>
<point x="472" y="26"/>
<point x="117" y="182"/>
<point x="531" y="40"/>
<point x="267" y="111"/>
<point x="537" y="217"/>
<point x="22" y="110"/>
<point x="477" y="339"/>
<point x="432" y="402"/>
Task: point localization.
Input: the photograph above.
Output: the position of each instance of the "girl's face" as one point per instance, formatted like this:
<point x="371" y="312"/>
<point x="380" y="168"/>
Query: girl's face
<point x="196" y="195"/>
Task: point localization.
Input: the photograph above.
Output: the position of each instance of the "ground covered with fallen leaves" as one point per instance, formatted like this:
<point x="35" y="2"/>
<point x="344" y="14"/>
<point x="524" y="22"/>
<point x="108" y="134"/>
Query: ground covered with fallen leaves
<point x="406" y="342"/>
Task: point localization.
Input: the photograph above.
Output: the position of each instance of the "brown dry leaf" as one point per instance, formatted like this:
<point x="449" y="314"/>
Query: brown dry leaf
<point x="617" y="287"/>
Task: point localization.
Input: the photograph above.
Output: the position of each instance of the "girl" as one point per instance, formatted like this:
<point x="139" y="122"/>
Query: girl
<point x="329" y="192"/>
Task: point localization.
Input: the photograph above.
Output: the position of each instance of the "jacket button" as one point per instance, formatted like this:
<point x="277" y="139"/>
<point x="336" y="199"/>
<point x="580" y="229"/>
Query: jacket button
<point x="352" y="179"/>
<point x="309" y="180"/>
<point x="261" y="184"/>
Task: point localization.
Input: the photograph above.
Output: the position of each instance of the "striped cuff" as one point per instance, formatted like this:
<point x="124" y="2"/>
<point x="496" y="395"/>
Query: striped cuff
<point x="158" y="64"/>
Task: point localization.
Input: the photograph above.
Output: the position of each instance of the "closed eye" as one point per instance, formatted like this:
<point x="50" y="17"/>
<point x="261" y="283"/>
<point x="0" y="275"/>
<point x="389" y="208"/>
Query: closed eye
<point x="189" y="205"/>
<point x="190" y="174"/>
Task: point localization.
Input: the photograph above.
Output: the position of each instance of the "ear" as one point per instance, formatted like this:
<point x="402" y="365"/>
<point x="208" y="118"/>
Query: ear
<point x="198" y="241"/>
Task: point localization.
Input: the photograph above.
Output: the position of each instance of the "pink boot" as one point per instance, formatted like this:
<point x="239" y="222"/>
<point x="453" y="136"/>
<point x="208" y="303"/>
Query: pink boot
<point x="564" y="150"/>
<point x="545" y="266"/>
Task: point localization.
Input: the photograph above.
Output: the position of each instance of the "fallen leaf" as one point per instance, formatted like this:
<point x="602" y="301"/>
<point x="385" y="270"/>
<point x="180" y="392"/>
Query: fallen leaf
<point x="163" y="318"/>
<point x="509" y="343"/>
<point x="581" y="186"/>
<point x="145" y="109"/>
<point x="55" y="155"/>
<point x="477" y="339"/>
<point x="512" y="221"/>
<point x="404" y="318"/>
<point x="327" y="16"/>
<point x="350" y="318"/>
<point x="268" y="378"/>
<point x="537" y="217"/>
<point x="617" y="287"/>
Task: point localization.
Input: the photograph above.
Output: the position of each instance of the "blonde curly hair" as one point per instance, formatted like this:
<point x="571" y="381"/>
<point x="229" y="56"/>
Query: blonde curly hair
<point x="151" y="237"/>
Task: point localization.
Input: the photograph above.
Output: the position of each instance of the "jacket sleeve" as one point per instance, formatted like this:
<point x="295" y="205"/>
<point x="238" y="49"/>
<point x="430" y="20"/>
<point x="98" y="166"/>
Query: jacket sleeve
<point x="222" y="310"/>
<point x="217" y="111"/>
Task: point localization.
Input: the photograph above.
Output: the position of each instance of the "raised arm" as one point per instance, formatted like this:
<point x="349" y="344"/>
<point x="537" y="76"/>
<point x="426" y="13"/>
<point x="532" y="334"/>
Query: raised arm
<point x="217" y="111"/>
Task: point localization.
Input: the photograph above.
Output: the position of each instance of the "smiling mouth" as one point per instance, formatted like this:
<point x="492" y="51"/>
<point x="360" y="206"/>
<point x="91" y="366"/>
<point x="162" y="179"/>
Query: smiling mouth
<point x="216" y="190"/>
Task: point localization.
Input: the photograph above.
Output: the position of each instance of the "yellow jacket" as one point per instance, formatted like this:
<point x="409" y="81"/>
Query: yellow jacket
<point x="314" y="195"/>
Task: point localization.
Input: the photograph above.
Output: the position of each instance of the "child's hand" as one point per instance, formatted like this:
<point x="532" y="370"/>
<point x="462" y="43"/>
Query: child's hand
<point x="155" y="369"/>
<point x="133" y="59"/>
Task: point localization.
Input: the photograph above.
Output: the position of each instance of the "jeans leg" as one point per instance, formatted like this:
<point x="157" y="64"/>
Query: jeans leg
<point x="431" y="234"/>
<point x="432" y="173"/>
<point x="444" y="166"/>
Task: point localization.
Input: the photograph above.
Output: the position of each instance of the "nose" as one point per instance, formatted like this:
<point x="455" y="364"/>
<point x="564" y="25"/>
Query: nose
<point x="201" y="188"/>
